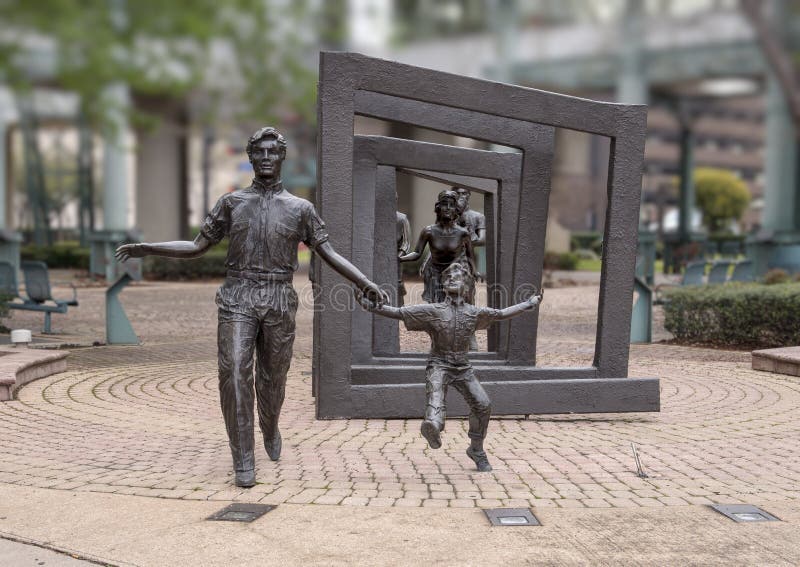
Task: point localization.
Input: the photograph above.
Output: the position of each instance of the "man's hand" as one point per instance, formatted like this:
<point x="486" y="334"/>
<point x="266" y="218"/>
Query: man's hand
<point x="375" y="294"/>
<point x="363" y="301"/>
<point x="536" y="298"/>
<point x="130" y="251"/>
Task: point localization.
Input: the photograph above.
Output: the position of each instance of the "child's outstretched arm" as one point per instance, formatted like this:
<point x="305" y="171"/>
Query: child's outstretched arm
<point x="379" y="308"/>
<point x="514" y="310"/>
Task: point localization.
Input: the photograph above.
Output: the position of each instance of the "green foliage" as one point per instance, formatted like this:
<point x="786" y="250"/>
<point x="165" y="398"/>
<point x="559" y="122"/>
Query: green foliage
<point x="210" y="265"/>
<point x="595" y="265"/>
<point x="587" y="240"/>
<point x="776" y="276"/>
<point x="164" y="48"/>
<point x="4" y="311"/>
<point x="584" y="254"/>
<point x="68" y="254"/>
<point x="748" y="315"/>
<point x="560" y="261"/>
<point x="720" y="195"/>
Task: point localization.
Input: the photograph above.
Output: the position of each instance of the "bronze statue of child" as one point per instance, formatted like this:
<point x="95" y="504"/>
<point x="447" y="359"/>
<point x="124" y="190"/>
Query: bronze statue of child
<point x="450" y="324"/>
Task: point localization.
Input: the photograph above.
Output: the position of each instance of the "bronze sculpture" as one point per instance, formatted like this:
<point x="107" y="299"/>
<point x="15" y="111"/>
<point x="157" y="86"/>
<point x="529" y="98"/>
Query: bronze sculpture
<point x="257" y="303"/>
<point x="448" y="243"/>
<point x="475" y="223"/>
<point x="403" y="248"/>
<point x="470" y="219"/>
<point x="450" y="324"/>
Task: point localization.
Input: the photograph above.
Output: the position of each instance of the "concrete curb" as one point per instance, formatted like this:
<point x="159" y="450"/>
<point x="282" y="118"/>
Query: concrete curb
<point x="779" y="360"/>
<point x="19" y="365"/>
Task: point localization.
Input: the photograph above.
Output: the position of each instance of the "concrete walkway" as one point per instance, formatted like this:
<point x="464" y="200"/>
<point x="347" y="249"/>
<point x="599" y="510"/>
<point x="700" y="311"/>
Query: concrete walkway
<point x="123" y="456"/>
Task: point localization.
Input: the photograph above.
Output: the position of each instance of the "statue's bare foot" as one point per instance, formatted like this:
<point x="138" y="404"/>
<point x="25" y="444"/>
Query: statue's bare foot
<point x="430" y="431"/>
<point x="481" y="461"/>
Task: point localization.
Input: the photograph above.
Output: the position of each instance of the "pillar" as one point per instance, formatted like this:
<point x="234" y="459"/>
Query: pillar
<point x="632" y="87"/>
<point x="781" y="191"/>
<point x="115" y="159"/>
<point x="686" y="181"/>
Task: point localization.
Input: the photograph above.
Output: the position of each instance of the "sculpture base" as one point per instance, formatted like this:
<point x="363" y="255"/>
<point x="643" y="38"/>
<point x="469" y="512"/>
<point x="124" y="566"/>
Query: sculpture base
<point x="522" y="397"/>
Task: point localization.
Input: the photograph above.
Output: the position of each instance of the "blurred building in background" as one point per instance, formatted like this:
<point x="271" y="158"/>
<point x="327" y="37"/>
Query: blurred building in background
<point x="660" y="53"/>
<point x="696" y="63"/>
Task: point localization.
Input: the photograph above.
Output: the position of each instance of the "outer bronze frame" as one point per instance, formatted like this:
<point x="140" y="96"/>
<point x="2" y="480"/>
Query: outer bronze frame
<point x="352" y="84"/>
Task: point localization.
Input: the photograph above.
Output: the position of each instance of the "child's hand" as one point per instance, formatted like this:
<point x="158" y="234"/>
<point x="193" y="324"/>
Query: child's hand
<point x="365" y="302"/>
<point x="536" y="298"/>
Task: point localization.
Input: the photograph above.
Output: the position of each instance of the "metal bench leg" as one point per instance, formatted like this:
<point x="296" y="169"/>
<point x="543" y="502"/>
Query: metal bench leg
<point x="118" y="326"/>
<point x="47" y="329"/>
<point x="642" y="314"/>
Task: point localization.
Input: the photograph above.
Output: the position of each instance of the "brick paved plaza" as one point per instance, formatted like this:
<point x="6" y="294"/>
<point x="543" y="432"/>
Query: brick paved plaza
<point x="146" y="421"/>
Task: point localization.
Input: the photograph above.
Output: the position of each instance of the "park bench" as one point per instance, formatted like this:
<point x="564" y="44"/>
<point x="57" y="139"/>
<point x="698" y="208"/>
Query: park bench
<point x="37" y="289"/>
<point x="743" y="272"/>
<point x="718" y="274"/>
<point x="692" y="275"/>
<point x="786" y="258"/>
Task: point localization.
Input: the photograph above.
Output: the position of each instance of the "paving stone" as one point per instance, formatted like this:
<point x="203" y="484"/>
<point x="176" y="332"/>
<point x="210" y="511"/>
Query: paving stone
<point x="145" y="421"/>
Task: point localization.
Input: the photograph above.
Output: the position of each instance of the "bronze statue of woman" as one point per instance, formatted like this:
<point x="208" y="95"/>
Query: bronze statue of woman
<point x="448" y="243"/>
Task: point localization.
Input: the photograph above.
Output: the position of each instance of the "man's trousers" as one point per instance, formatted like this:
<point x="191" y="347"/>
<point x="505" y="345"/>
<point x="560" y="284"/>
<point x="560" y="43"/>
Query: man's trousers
<point x="268" y="331"/>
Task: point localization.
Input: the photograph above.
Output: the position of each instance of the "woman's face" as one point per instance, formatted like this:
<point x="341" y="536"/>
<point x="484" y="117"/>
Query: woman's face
<point x="448" y="209"/>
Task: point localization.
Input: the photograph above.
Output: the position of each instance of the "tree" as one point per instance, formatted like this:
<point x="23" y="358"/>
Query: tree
<point x="166" y="48"/>
<point x="721" y="196"/>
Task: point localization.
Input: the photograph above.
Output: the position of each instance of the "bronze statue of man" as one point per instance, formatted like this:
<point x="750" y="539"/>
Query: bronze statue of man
<point x="470" y="219"/>
<point x="257" y="303"/>
<point x="475" y="223"/>
<point x="403" y="248"/>
<point x="450" y="324"/>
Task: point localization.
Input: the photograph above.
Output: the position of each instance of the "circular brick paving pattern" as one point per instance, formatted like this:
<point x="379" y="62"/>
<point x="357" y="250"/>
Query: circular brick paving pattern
<point x="146" y="421"/>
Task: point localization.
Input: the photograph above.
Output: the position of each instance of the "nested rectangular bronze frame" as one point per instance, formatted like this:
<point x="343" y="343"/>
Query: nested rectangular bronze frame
<point x="523" y="118"/>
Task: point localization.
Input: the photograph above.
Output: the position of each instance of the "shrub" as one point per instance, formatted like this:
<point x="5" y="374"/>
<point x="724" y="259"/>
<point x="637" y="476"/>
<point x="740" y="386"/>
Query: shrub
<point x="210" y="265"/>
<point x="592" y="240"/>
<point x="584" y="254"/>
<point x="560" y="261"/>
<point x="67" y="254"/>
<point x="776" y="276"/>
<point x="752" y="315"/>
<point x="4" y="311"/>
<point x="720" y="195"/>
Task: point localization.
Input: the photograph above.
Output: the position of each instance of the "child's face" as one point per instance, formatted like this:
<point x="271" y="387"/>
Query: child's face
<point x="455" y="283"/>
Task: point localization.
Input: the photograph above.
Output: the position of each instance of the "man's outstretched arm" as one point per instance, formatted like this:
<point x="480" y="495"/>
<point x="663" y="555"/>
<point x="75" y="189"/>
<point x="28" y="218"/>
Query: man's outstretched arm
<point x="174" y="249"/>
<point x="349" y="271"/>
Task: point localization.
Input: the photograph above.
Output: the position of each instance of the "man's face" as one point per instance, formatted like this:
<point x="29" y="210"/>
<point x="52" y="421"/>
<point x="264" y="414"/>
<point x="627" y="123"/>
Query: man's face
<point x="463" y="199"/>
<point x="454" y="283"/>
<point x="266" y="158"/>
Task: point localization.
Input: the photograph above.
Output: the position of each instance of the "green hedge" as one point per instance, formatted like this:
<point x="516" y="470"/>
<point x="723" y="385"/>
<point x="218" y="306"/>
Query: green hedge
<point x="209" y="265"/>
<point x="561" y="261"/>
<point x="586" y="240"/>
<point x="751" y="315"/>
<point x="66" y="254"/>
<point x="5" y="311"/>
